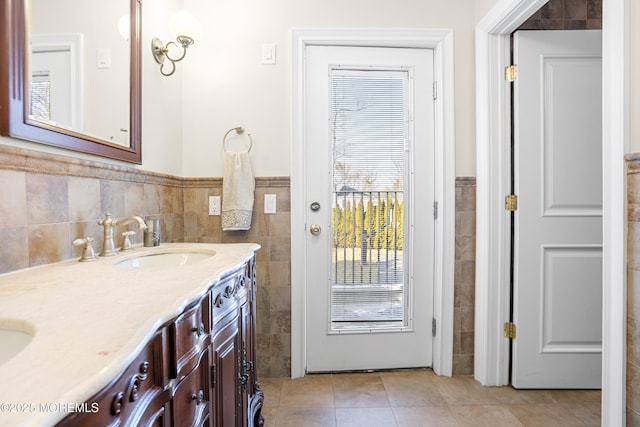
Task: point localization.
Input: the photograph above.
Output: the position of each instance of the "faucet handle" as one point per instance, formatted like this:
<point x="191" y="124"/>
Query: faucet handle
<point x="88" y="254"/>
<point x="126" y="242"/>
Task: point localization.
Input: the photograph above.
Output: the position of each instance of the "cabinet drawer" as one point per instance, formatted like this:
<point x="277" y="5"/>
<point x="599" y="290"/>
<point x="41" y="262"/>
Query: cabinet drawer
<point x="189" y="336"/>
<point x="191" y="401"/>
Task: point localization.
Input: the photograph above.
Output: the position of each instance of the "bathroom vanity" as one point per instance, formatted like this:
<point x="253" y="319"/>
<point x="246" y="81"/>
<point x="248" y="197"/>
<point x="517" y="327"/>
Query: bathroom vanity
<point x="167" y="341"/>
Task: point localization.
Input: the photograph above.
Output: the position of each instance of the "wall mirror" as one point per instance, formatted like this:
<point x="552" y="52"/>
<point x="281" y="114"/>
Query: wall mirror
<point x="71" y="77"/>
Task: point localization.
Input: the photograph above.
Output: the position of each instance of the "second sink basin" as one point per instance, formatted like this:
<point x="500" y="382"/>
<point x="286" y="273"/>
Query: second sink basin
<point x="166" y="259"/>
<point x="12" y="342"/>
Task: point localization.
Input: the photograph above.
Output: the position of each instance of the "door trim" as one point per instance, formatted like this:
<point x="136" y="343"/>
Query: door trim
<point x="441" y="41"/>
<point x="492" y="127"/>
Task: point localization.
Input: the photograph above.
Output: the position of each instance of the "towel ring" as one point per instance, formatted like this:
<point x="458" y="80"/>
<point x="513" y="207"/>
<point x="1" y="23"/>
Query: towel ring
<point x="239" y="130"/>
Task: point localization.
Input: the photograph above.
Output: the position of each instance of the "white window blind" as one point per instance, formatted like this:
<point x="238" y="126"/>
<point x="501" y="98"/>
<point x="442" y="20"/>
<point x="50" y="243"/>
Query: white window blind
<point x="41" y="96"/>
<point x="369" y="111"/>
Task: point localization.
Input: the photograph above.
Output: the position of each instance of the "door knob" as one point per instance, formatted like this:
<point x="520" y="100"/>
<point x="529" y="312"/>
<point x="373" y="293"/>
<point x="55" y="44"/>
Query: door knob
<point x="315" y="229"/>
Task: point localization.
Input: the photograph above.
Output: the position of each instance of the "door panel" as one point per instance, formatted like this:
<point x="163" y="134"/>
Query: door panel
<point x="354" y="252"/>
<point x="558" y="224"/>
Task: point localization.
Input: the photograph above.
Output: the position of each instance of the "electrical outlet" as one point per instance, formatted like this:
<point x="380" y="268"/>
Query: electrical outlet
<point x="269" y="203"/>
<point x="214" y="205"/>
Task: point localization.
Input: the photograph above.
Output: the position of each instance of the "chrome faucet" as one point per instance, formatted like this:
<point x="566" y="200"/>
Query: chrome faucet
<point x="108" y="245"/>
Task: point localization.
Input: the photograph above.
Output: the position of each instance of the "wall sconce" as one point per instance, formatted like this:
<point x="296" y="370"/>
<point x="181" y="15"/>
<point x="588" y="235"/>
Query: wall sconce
<point x="180" y="24"/>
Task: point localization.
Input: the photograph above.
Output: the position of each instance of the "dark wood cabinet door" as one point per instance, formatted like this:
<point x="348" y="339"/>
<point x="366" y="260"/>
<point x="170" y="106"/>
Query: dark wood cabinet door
<point x="225" y="387"/>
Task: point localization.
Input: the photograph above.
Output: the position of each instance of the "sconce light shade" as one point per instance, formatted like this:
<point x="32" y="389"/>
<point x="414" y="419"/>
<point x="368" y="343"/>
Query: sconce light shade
<point x="124" y="26"/>
<point x="186" y="29"/>
<point x="185" y="24"/>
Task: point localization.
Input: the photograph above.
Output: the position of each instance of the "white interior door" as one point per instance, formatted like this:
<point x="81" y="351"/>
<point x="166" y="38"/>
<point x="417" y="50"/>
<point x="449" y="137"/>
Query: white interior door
<point x="558" y="224"/>
<point x="369" y="188"/>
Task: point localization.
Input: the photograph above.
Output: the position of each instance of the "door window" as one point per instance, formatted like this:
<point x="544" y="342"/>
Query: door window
<point x="369" y="110"/>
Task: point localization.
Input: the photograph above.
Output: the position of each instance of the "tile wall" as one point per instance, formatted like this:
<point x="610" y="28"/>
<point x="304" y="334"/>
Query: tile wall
<point x="633" y="289"/>
<point x="48" y="200"/>
<point x="566" y="15"/>
<point x="465" y="276"/>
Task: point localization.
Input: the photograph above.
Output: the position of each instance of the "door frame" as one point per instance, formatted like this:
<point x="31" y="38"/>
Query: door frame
<point x="441" y="41"/>
<point x="492" y="239"/>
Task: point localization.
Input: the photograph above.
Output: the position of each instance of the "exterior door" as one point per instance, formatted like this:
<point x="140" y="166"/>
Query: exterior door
<point x="558" y="222"/>
<point x="369" y="172"/>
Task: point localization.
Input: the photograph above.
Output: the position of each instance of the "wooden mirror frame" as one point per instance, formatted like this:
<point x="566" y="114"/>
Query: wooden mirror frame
<point x="14" y="91"/>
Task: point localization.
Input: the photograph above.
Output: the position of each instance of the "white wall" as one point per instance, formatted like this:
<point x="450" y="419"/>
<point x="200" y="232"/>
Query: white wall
<point x="482" y="7"/>
<point x="225" y="84"/>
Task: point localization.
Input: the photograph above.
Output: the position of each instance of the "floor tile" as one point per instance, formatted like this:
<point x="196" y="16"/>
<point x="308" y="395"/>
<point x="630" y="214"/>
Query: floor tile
<point x="425" y="416"/>
<point x="588" y="413"/>
<point x="463" y="390"/>
<point x="365" y="417"/>
<point x="484" y="416"/>
<point x="545" y="414"/>
<point x="412" y="388"/>
<point x="269" y="413"/>
<point x="272" y="389"/>
<point x="509" y="395"/>
<point x="308" y="391"/>
<point x="416" y="398"/>
<point x="357" y="390"/>
<point x="307" y="417"/>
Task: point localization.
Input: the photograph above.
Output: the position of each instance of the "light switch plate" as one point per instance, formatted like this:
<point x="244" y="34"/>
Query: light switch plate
<point x="269" y="54"/>
<point x="269" y="203"/>
<point x="214" y="205"/>
<point x="103" y="57"/>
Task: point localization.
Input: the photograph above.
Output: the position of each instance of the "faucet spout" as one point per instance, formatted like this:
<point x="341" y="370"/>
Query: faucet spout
<point x="108" y="223"/>
<point x="129" y="220"/>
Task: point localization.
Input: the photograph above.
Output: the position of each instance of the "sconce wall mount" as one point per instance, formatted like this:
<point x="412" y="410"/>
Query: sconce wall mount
<point x="180" y="24"/>
<point x="160" y="52"/>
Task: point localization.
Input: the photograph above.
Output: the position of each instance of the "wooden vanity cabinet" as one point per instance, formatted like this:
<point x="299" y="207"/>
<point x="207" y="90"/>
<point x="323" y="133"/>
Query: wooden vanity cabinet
<point x="198" y="370"/>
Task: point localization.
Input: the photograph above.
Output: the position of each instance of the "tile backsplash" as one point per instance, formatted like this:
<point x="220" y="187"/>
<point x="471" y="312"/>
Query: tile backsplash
<point x="49" y="200"/>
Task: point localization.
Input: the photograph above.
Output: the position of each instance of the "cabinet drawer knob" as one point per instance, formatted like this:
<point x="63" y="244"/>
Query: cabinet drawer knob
<point x="199" y="398"/>
<point x="199" y="330"/>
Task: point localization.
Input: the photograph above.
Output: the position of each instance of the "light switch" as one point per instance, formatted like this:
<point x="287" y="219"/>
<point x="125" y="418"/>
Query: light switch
<point x="103" y="57"/>
<point x="269" y="53"/>
<point x="269" y="203"/>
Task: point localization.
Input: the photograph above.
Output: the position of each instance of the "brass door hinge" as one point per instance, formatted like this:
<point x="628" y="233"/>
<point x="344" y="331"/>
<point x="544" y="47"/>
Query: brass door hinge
<point x="510" y="73"/>
<point x="510" y="330"/>
<point x="511" y="203"/>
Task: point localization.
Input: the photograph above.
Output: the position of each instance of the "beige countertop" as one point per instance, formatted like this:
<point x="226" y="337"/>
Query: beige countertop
<point x="89" y="320"/>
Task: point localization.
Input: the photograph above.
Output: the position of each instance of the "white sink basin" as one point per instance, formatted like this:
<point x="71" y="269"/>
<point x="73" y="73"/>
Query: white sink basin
<point x="12" y="342"/>
<point x="165" y="259"/>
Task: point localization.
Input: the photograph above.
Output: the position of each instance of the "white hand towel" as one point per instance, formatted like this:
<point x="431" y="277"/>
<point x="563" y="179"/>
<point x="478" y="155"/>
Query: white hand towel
<point x="238" y="185"/>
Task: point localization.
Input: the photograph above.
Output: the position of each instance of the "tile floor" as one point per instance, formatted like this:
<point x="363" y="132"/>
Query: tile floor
<point x="419" y="398"/>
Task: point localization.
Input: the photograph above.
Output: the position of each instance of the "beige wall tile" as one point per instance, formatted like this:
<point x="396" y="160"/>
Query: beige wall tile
<point x="15" y="252"/>
<point x="47" y="199"/>
<point x="13" y="199"/>
<point x="84" y="199"/>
